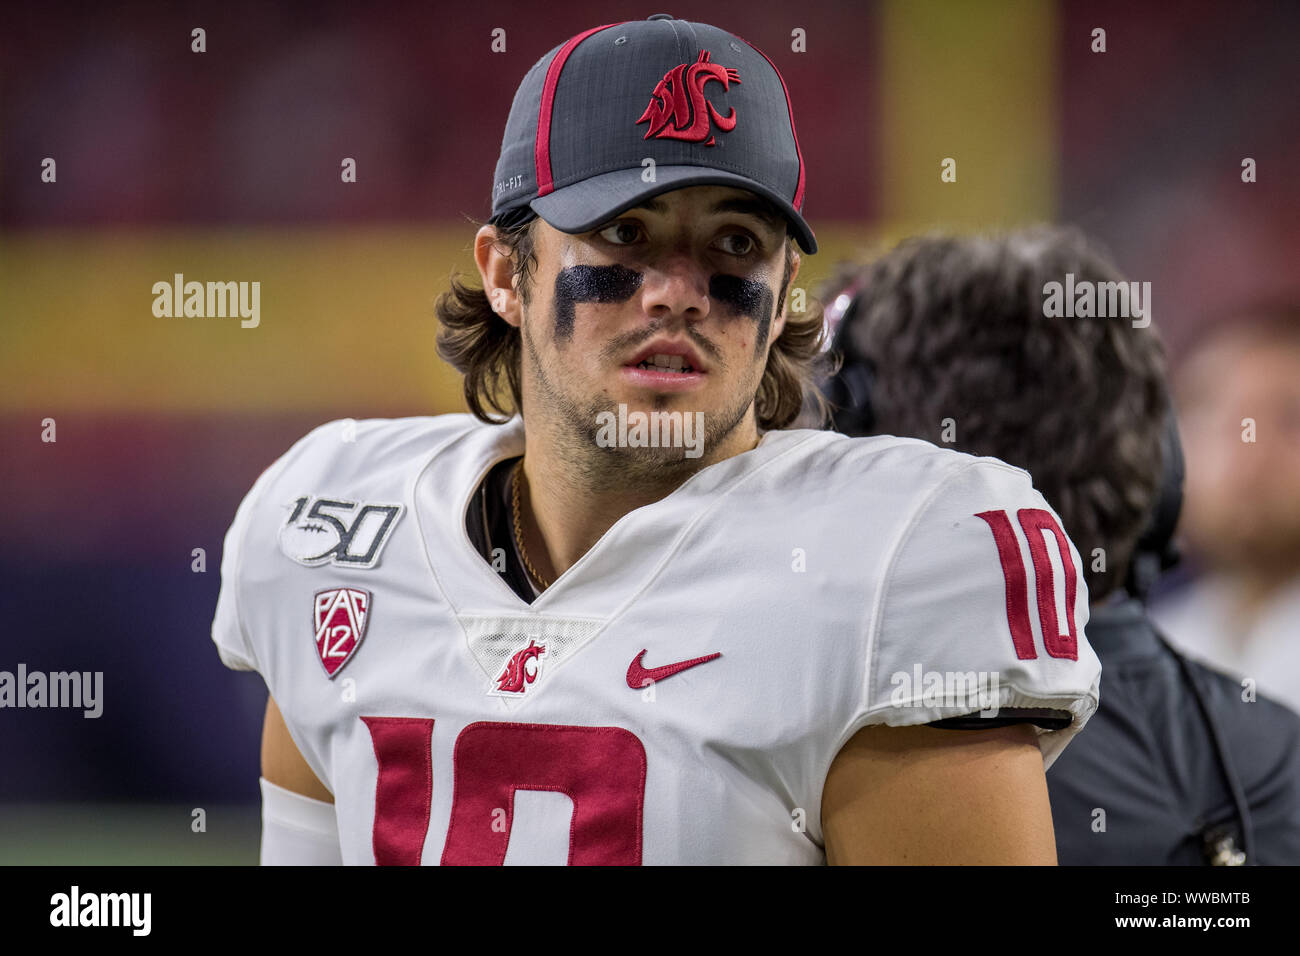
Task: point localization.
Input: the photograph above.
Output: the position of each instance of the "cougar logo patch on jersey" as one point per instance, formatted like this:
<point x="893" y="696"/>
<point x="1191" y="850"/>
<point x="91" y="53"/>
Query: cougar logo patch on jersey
<point x="346" y="534"/>
<point x="678" y="108"/>
<point x="340" y="616"/>
<point x="521" y="670"/>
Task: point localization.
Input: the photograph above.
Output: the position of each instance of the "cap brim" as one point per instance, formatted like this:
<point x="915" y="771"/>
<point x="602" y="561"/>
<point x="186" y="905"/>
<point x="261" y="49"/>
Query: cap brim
<point x="588" y="204"/>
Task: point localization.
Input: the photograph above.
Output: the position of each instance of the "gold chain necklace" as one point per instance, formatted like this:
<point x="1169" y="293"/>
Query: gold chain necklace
<point x="519" y="535"/>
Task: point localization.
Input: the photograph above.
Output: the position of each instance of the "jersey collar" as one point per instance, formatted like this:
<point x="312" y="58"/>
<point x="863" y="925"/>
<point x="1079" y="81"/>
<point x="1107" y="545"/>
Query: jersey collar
<point x="610" y="575"/>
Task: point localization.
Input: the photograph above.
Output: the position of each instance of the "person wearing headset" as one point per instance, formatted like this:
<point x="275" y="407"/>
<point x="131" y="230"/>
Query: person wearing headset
<point x="951" y="340"/>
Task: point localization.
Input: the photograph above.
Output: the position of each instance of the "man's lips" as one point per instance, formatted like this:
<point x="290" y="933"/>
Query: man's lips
<point x="665" y="365"/>
<point x="674" y="350"/>
<point x="662" y="381"/>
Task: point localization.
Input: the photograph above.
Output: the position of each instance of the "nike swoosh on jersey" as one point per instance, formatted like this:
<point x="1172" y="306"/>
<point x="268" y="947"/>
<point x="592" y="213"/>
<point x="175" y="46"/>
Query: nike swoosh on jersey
<point x="638" y="676"/>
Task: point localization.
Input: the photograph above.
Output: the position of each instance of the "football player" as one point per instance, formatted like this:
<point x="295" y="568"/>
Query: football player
<point x="622" y="613"/>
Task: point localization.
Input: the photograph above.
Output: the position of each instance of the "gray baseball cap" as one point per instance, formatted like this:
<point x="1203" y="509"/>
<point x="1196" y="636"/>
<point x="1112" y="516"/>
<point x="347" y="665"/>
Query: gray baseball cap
<point x="706" y="106"/>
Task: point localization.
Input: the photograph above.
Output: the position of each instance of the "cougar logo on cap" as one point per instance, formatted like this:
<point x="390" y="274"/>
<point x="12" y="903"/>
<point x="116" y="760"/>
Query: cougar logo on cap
<point x="678" y="109"/>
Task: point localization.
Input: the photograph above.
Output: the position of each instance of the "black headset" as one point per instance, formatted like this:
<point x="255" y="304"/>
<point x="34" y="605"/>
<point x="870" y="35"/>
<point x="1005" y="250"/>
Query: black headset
<point x="1156" y="551"/>
<point x="849" y="393"/>
<point x="848" y="390"/>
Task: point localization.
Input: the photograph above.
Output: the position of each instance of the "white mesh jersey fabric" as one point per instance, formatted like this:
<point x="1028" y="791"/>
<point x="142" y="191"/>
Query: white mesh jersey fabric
<point x="493" y="641"/>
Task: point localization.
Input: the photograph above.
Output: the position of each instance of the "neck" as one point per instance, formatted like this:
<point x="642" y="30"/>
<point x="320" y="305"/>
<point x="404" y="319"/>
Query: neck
<point x="574" y="492"/>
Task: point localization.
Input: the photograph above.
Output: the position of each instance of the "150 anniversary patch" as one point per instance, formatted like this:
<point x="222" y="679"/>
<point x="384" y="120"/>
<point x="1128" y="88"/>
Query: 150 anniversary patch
<point x="347" y="534"/>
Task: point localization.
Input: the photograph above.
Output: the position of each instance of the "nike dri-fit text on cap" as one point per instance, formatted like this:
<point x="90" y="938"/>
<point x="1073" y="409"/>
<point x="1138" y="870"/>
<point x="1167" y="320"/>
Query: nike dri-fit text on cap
<point x="705" y="105"/>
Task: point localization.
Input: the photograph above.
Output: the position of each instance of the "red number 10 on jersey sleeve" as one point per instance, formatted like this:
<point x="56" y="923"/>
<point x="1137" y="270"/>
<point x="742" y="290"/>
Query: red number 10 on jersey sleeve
<point x="601" y="769"/>
<point x="1034" y="521"/>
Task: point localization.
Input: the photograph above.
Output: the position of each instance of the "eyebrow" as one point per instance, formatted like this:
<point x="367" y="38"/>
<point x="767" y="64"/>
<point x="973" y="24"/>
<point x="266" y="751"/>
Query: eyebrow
<point x="758" y="208"/>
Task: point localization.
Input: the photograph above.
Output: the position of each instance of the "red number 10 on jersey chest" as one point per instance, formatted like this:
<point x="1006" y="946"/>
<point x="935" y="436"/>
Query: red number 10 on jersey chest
<point x="601" y="769"/>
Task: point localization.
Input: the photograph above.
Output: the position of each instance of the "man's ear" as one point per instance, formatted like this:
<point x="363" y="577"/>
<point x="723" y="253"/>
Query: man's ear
<point x="498" y="273"/>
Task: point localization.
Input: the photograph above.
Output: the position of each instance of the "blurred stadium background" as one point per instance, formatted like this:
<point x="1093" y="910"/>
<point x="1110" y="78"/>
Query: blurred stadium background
<point x="225" y="166"/>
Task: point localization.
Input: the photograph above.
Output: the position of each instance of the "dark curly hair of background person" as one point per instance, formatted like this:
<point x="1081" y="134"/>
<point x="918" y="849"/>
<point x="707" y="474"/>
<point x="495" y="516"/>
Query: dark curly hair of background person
<point x="955" y="329"/>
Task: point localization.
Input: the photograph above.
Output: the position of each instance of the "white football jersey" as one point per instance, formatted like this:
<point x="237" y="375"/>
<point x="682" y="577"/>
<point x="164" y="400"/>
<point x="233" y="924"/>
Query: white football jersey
<point x="678" y="695"/>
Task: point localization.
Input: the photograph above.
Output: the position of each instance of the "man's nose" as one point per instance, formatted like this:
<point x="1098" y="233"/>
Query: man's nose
<point x="676" y="284"/>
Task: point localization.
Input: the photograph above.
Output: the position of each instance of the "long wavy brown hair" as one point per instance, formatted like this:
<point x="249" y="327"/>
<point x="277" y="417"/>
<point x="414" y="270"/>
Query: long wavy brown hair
<point x="486" y="349"/>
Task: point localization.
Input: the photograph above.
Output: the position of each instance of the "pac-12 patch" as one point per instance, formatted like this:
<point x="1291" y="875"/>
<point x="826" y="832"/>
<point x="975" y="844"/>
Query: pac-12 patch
<point x="339" y="618"/>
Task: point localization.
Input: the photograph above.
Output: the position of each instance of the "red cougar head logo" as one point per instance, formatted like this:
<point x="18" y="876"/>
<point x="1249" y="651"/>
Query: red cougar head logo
<point x="678" y="109"/>
<point x="514" y="678"/>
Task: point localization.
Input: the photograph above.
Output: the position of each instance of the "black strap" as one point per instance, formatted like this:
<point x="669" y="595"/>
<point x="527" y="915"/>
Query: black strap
<point x="1006" y="717"/>
<point x="1212" y="837"/>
